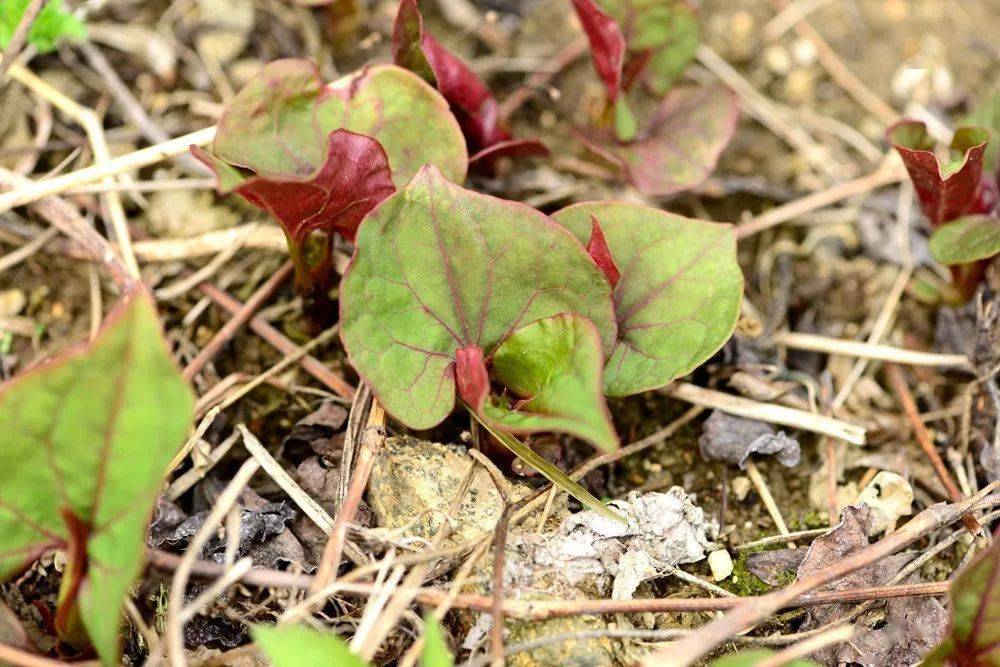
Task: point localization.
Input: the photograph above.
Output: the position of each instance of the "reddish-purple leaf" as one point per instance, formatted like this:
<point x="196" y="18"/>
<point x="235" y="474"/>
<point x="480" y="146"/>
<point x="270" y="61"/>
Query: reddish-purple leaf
<point x="597" y="248"/>
<point x="486" y="158"/>
<point x="681" y="145"/>
<point x="953" y="191"/>
<point x="607" y="45"/>
<point x="471" y="378"/>
<point x="354" y="177"/>
<point x="471" y="101"/>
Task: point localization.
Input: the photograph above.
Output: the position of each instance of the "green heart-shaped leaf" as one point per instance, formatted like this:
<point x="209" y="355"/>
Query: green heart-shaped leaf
<point x="298" y="645"/>
<point x="679" y="294"/>
<point x="439" y="268"/>
<point x="279" y="123"/>
<point x="667" y="28"/>
<point x="966" y="240"/>
<point x="554" y="365"/>
<point x="86" y="440"/>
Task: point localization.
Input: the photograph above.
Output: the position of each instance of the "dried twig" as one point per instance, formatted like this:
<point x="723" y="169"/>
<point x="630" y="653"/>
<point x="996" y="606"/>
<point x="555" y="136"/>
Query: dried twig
<point x="840" y="72"/>
<point x="898" y="384"/>
<point x="371" y="443"/>
<point x="278" y="341"/>
<point x="815" y="343"/>
<point x="768" y="412"/>
<point x="540" y="610"/>
<point x="236" y="322"/>
<point x="91" y="124"/>
<point x="144" y="157"/>
<point x="798" y="207"/>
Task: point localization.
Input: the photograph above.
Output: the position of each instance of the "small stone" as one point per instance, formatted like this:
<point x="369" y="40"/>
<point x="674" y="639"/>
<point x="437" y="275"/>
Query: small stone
<point x="804" y="52"/>
<point x="740" y="487"/>
<point x="800" y="85"/>
<point x="721" y="564"/>
<point x="778" y="60"/>
<point x="12" y="302"/>
<point x="889" y="496"/>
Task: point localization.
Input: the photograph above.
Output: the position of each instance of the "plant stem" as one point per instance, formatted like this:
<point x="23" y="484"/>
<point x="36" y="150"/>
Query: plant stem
<point x="549" y="471"/>
<point x="313" y="283"/>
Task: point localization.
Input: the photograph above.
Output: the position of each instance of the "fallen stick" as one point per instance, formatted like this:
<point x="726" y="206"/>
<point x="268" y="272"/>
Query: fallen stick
<point x="767" y="412"/>
<point x="539" y="610"/>
<point x="144" y="157"/>
<point x="852" y="348"/>
<point x="793" y="209"/>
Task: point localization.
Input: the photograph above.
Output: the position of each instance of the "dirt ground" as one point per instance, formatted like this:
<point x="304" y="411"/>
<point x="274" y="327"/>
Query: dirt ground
<point x="837" y="271"/>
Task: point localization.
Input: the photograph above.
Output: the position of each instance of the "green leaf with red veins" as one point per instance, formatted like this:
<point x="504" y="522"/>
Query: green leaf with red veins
<point x="680" y="146"/>
<point x="554" y="366"/>
<point x="278" y="123"/>
<point x="975" y="606"/>
<point x="966" y="240"/>
<point x="668" y="29"/>
<point x="679" y="294"/>
<point x="437" y="269"/>
<point x="86" y="441"/>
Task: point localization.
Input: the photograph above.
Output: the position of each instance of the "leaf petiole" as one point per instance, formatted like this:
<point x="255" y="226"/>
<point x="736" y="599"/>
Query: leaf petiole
<point x="551" y="472"/>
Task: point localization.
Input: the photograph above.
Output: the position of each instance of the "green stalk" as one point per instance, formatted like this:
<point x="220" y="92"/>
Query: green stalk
<point x="549" y="471"/>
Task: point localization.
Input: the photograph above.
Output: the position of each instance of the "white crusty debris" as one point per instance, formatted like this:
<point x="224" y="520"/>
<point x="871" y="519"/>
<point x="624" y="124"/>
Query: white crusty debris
<point x="664" y="530"/>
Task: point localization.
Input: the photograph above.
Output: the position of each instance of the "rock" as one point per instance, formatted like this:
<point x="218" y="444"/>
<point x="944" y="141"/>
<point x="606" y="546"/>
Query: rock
<point x="721" y="564"/>
<point x="889" y="497"/>
<point x="413" y="483"/>
<point x="777" y="59"/>
<point x="741" y="487"/>
<point x="12" y="302"/>
<point x="664" y="530"/>
<point x="733" y="439"/>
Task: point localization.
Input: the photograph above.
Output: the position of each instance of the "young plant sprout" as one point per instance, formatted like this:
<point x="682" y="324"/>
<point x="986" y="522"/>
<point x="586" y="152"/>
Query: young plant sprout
<point x="679" y="144"/>
<point x="319" y="157"/>
<point x="959" y="197"/>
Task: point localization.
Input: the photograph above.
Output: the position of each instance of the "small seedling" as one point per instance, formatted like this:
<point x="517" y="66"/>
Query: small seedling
<point x="319" y="157"/>
<point x="86" y="439"/>
<point x="678" y="146"/>
<point x="471" y="101"/>
<point x="959" y="198"/>
<point x="456" y="295"/>
<point x="52" y="25"/>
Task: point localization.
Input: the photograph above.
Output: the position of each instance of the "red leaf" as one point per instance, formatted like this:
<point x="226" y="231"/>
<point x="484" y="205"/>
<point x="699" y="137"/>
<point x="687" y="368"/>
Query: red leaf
<point x="471" y="101"/>
<point x="471" y="377"/>
<point x="944" y="198"/>
<point x="599" y="251"/>
<point x="511" y="148"/>
<point x="607" y="45"/>
<point x="354" y="177"/>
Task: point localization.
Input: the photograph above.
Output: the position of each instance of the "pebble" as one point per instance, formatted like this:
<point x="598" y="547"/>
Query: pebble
<point x="778" y="60"/>
<point x="741" y="487"/>
<point x="12" y="302"/>
<point x="721" y="564"/>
